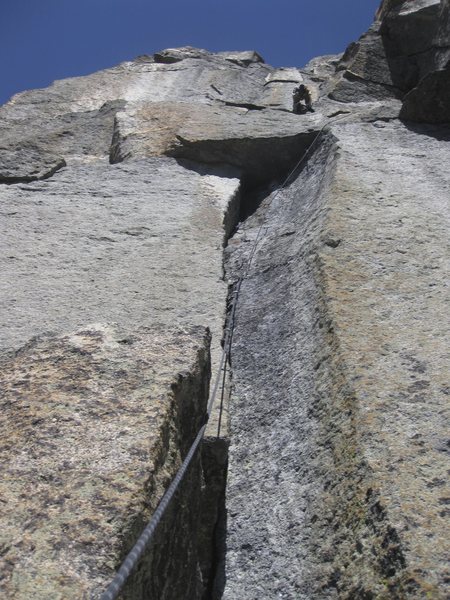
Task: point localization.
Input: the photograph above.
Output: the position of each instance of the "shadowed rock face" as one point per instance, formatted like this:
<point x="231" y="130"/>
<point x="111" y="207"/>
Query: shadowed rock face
<point x="123" y="187"/>
<point x="404" y="55"/>
<point x="429" y="102"/>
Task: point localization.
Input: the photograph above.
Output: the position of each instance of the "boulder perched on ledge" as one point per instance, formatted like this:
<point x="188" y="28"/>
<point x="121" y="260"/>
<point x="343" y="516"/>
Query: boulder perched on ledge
<point x="94" y="426"/>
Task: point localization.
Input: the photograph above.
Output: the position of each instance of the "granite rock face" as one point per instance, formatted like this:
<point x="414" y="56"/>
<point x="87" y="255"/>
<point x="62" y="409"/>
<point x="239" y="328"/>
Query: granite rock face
<point x="95" y="241"/>
<point x="339" y="366"/>
<point x="94" y="426"/>
<point x="120" y="191"/>
<point x="405" y="54"/>
<point x="429" y="102"/>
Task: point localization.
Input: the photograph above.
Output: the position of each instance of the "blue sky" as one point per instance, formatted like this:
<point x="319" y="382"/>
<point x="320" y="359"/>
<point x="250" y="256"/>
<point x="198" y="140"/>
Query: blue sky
<point x="44" y="40"/>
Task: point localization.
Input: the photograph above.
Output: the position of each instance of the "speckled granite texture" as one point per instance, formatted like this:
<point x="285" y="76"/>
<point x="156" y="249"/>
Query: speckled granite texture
<point x="341" y="399"/>
<point x="94" y="426"/>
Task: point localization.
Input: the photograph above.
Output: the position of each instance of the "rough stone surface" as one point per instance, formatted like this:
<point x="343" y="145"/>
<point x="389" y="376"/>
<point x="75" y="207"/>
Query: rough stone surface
<point x="273" y="373"/>
<point x="442" y="38"/>
<point x="213" y="134"/>
<point x="339" y="369"/>
<point x="39" y="135"/>
<point x="385" y="275"/>
<point x="121" y="258"/>
<point x="94" y="425"/>
<point x="90" y="242"/>
<point x="136" y="244"/>
<point x="364" y="73"/>
<point x="411" y="26"/>
<point x="25" y="164"/>
<point x="407" y="48"/>
<point x="429" y="101"/>
<point x="74" y="117"/>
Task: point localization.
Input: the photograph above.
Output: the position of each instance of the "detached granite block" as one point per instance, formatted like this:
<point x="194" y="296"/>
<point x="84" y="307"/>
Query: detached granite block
<point x="94" y="427"/>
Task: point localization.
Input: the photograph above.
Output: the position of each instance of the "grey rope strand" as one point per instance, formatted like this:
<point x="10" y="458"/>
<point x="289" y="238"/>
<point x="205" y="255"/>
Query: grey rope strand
<point x="222" y="397"/>
<point x="136" y="552"/>
<point x="134" y="555"/>
<point x="227" y="346"/>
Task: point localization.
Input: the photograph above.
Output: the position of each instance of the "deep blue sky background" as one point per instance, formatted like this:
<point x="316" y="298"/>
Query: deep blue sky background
<point x="44" y="40"/>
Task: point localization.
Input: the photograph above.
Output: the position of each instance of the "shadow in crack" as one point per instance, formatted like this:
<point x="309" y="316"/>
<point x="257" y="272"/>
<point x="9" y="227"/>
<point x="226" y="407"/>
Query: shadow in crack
<point x="438" y="132"/>
<point x="261" y="164"/>
<point x="259" y="159"/>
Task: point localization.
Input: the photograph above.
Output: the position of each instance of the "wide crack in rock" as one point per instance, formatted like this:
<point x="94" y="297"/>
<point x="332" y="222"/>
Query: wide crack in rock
<point x="274" y="436"/>
<point x="321" y="422"/>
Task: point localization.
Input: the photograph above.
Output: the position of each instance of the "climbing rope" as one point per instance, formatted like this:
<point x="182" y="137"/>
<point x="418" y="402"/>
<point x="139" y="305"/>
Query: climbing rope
<point x="136" y="552"/>
<point x="227" y="346"/>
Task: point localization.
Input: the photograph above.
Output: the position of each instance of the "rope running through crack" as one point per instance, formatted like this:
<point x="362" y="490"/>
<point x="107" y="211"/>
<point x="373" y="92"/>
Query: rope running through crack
<point x="136" y="552"/>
